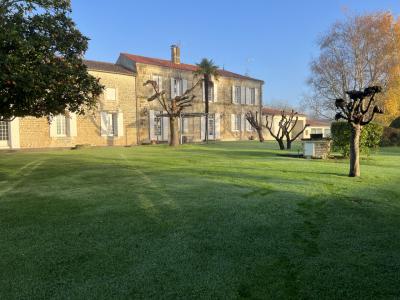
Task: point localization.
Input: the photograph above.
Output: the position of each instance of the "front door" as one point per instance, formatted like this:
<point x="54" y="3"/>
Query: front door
<point x="211" y="127"/>
<point x="4" y="134"/>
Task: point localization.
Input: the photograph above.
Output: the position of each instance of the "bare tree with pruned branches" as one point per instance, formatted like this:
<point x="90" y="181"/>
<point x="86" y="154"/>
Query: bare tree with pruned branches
<point x="253" y="120"/>
<point x="173" y="107"/>
<point x="286" y="125"/>
<point x="358" y="111"/>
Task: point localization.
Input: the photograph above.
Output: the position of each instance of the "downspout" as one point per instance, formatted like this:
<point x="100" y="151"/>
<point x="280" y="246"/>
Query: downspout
<point x="137" y="114"/>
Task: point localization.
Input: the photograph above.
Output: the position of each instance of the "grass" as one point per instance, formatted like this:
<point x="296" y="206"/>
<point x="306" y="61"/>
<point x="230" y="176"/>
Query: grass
<point x="225" y="220"/>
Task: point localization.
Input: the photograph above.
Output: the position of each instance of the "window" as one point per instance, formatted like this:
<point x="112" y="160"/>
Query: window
<point x="237" y="123"/>
<point x="252" y="96"/>
<point x="110" y="123"/>
<point x="110" y="94"/>
<point x="211" y="125"/>
<point x="177" y="87"/>
<point x="61" y="125"/>
<point x="327" y="132"/>
<point x="316" y="131"/>
<point x="248" y="126"/>
<point x="211" y="91"/>
<point x="238" y="94"/>
<point x="3" y="131"/>
<point x="158" y="125"/>
<point x="159" y="80"/>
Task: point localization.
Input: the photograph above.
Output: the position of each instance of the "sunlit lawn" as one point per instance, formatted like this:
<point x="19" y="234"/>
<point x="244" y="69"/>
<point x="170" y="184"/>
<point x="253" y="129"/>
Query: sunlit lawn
<point x="225" y="220"/>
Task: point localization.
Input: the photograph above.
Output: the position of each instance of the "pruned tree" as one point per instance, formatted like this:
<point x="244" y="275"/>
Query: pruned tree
<point x="359" y="110"/>
<point x="279" y="135"/>
<point x="286" y="125"/>
<point x="255" y="123"/>
<point x="42" y="71"/>
<point x="361" y="51"/>
<point x="290" y="123"/>
<point x="172" y="106"/>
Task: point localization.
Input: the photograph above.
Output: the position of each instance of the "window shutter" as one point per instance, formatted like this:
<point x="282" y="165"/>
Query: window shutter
<point x="14" y="134"/>
<point x="152" y="136"/>
<point x="243" y="95"/>
<point x="256" y="95"/>
<point x="165" y="127"/>
<point x="217" y="126"/>
<point x="204" y="91"/>
<point x="215" y="91"/>
<point x="242" y="123"/>
<point x="185" y="125"/>
<point x="184" y="86"/>
<point x="72" y="124"/>
<point x="203" y="128"/>
<point x="248" y="96"/>
<point x="233" y="121"/>
<point x="120" y="121"/>
<point x="53" y="127"/>
<point x="103" y="123"/>
<point x="172" y="87"/>
<point x="233" y="94"/>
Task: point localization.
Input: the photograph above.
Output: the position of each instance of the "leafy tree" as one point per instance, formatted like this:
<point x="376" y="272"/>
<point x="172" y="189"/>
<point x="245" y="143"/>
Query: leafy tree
<point x="41" y="50"/>
<point x="358" y="111"/>
<point x="356" y="53"/>
<point x="173" y="107"/>
<point x="206" y="69"/>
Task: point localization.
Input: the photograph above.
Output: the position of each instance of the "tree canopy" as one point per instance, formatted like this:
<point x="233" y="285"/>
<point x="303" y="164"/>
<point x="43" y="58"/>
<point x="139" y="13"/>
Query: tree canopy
<point x="42" y="70"/>
<point x="356" y="53"/>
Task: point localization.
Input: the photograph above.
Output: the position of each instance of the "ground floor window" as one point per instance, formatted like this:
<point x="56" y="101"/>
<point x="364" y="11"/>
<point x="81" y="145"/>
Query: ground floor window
<point x="111" y="123"/>
<point x="4" y="131"/>
<point x="211" y="125"/>
<point x="158" y="125"/>
<point x="61" y="125"/>
<point x="237" y="123"/>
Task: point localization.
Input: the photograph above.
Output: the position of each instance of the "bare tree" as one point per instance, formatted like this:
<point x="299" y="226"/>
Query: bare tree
<point x="286" y="125"/>
<point x="173" y="107"/>
<point x="280" y="135"/>
<point x="290" y="123"/>
<point x="359" y="52"/>
<point x="358" y="111"/>
<point x="253" y="120"/>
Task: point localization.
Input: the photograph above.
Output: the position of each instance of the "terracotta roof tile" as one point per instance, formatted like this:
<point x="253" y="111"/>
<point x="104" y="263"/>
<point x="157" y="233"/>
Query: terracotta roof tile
<point x="275" y="111"/>
<point x="181" y="66"/>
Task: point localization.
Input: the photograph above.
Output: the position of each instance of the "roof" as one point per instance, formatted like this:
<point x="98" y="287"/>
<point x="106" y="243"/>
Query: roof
<point x="316" y="122"/>
<point x="107" y="67"/>
<point x="184" y="67"/>
<point x="275" y="111"/>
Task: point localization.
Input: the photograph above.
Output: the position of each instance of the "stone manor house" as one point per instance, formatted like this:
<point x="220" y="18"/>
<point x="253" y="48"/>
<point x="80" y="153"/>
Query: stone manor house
<point x="124" y="117"/>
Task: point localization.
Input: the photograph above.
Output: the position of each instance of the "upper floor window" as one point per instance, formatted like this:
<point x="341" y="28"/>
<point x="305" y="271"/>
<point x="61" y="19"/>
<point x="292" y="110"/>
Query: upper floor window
<point x="238" y="94"/>
<point x="211" y="91"/>
<point x="177" y="87"/>
<point x="252" y="96"/>
<point x="61" y="125"/>
<point x="159" y="80"/>
<point x="110" y="94"/>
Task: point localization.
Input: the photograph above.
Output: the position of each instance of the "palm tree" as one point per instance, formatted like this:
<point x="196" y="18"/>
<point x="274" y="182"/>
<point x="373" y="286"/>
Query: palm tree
<point x="206" y="69"/>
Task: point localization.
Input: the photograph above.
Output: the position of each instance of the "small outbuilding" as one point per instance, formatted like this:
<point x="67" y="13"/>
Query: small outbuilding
<point x="316" y="146"/>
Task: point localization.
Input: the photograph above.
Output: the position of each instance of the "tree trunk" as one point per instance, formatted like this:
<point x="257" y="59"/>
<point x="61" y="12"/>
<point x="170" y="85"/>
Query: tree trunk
<point x="288" y="144"/>
<point x="281" y="144"/>
<point x="260" y="135"/>
<point x="355" y="150"/>
<point x="206" y="81"/>
<point x="174" y="132"/>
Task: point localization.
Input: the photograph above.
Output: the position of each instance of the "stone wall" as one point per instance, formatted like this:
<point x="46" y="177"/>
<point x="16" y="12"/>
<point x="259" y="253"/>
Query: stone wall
<point x="35" y="132"/>
<point x="222" y="106"/>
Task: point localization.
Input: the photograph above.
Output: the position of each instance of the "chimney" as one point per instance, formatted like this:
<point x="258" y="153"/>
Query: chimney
<point x="175" y="54"/>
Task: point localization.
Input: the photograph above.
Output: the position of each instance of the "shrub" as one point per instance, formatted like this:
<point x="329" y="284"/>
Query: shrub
<point x="370" y="137"/>
<point x="395" y="123"/>
<point x="390" y="137"/>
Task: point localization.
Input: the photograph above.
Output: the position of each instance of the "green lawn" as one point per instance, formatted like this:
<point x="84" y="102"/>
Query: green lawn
<point x="225" y="220"/>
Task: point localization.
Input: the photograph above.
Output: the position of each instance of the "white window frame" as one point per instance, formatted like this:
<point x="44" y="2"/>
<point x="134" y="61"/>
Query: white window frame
<point x="60" y="123"/>
<point x="238" y="94"/>
<point x="159" y="80"/>
<point x="252" y="96"/>
<point x="5" y="131"/>
<point x="110" y="94"/>
<point x="238" y="122"/>
<point x="111" y="123"/>
<point x="178" y="86"/>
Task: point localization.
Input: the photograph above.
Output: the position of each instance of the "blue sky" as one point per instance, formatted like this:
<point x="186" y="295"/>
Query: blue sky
<point x="270" y="40"/>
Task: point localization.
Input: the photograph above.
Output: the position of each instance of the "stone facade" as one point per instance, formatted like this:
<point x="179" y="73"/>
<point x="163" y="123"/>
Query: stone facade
<point x="221" y="109"/>
<point x="87" y="129"/>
